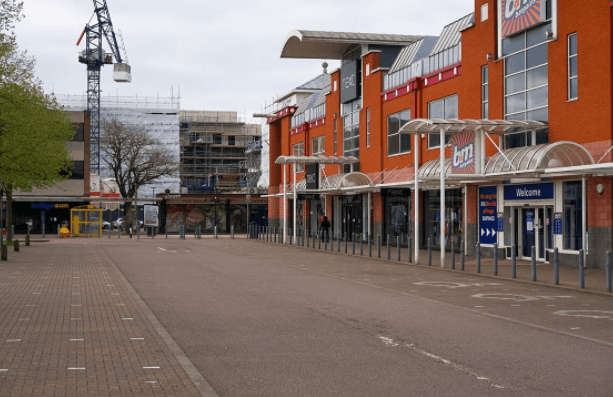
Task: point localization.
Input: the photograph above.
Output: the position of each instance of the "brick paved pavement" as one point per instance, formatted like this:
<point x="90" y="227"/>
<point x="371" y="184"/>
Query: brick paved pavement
<point x="71" y="325"/>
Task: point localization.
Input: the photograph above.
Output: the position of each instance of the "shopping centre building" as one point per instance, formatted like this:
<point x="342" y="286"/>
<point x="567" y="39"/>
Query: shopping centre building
<point x="519" y="92"/>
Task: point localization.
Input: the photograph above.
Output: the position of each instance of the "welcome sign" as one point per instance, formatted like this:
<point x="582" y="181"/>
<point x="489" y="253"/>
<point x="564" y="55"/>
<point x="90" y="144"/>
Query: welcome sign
<point x="463" y="150"/>
<point x="518" y="15"/>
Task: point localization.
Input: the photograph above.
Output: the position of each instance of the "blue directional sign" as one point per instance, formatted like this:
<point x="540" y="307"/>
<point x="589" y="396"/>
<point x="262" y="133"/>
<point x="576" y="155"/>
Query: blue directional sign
<point x="488" y="223"/>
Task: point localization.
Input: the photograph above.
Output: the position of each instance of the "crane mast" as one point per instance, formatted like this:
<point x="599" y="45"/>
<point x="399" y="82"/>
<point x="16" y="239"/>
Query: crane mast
<point x="94" y="58"/>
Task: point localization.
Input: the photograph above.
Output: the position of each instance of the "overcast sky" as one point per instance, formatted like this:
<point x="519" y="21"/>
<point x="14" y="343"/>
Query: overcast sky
<point x="224" y="55"/>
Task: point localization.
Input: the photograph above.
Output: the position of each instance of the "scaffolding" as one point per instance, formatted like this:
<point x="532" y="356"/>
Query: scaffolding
<point x="213" y="154"/>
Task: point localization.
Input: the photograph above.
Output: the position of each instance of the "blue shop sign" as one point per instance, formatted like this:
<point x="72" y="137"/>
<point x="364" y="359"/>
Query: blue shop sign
<point x="488" y="223"/>
<point x="537" y="191"/>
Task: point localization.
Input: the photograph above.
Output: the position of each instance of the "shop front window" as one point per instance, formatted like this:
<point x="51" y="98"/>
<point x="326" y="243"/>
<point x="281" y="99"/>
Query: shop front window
<point x="573" y="216"/>
<point x="397" y="217"/>
<point x="453" y="221"/>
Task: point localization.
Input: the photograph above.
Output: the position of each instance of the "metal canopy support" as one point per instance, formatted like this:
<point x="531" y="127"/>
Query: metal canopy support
<point x="442" y="218"/>
<point x="416" y="198"/>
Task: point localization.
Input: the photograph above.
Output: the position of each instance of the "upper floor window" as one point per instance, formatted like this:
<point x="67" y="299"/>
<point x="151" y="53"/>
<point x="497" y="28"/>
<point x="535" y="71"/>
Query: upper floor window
<point x="367" y="127"/>
<point x="217" y="139"/>
<point x="231" y="140"/>
<point x="485" y="92"/>
<point x="526" y="83"/>
<point x="299" y="151"/>
<point x="77" y="171"/>
<point x="445" y="108"/>
<point x="351" y="130"/>
<point x="397" y="142"/>
<point x="573" y="87"/>
<point x="318" y="146"/>
<point x="79" y="129"/>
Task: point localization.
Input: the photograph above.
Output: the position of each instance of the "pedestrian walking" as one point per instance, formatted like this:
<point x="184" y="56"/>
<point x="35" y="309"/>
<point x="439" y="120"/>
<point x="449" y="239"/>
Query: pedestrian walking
<point x="325" y="227"/>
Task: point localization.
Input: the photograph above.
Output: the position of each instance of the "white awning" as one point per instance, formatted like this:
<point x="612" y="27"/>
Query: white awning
<point x="451" y="126"/>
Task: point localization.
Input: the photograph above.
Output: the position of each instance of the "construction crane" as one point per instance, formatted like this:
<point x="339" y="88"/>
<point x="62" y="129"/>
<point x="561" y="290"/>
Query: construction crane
<point x="94" y="58"/>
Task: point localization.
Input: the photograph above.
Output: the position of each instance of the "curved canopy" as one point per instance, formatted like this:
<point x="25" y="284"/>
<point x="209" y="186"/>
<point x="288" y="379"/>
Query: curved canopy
<point x="539" y="157"/>
<point x="339" y="181"/>
<point x="305" y="44"/>
<point x="433" y="126"/>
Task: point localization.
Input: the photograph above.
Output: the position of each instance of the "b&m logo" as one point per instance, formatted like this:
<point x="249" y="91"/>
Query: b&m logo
<point x="463" y="153"/>
<point x="518" y="15"/>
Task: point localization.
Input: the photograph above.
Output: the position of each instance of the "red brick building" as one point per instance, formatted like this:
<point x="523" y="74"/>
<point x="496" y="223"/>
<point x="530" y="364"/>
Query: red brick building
<point x="522" y="90"/>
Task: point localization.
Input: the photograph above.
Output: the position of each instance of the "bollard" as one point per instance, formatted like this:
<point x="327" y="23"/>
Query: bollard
<point x="398" y="247"/>
<point x="429" y="252"/>
<point x="338" y="242"/>
<point x="137" y="231"/>
<point x="608" y="271"/>
<point x="369" y="245"/>
<point x="379" y="246"/>
<point x="215" y="231"/>
<point x="581" y="270"/>
<point x="232" y="232"/>
<point x="4" y="254"/>
<point x="495" y="259"/>
<point x="452" y="255"/>
<point x="332" y="243"/>
<point x="361" y="245"/>
<point x="556" y="267"/>
<point x="308" y="239"/>
<point x="166" y="230"/>
<point x="462" y="257"/>
<point x="345" y="240"/>
<point x="318" y="242"/>
<point x="325" y="242"/>
<point x="478" y="248"/>
<point x="353" y="244"/>
<point x="410" y="248"/>
<point x="109" y="231"/>
<point x="16" y="245"/>
<point x="513" y="263"/>
<point x="291" y="237"/>
<point x="388" y="248"/>
<point x="533" y="255"/>
<point x="27" y="240"/>
<point x="118" y="232"/>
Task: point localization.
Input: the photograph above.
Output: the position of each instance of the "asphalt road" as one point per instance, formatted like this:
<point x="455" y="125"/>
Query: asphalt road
<point x="258" y="319"/>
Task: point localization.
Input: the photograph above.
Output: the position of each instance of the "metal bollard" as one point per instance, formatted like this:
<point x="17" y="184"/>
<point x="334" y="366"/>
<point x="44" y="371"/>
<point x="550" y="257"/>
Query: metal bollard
<point x="16" y="245"/>
<point x="496" y="259"/>
<point x="369" y="245"/>
<point x="232" y="232"/>
<point x="398" y="247"/>
<point x="429" y="252"/>
<point x="452" y="255"/>
<point x="345" y="240"/>
<point x="108" y="232"/>
<point x="318" y="242"/>
<point x="388" y="248"/>
<point x="215" y="231"/>
<point x="410" y="248"/>
<point x="478" y="248"/>
<point x="325" y="243"/>
<point x="581" y="270"/>
<point x="118" y="232"/>
<point x="353" y="244"/>
<point x="533" y="254"/>
<point x="166" y="230"/>
<point x="4" y="252"/>
<point x="513" y="263"/>
<point x="308" y="238"/>
<point x="137" y="230"/>
<point x="462" y="257"/>
<point x="332" y="243"/>
<point x="361" y="246"/>
<point x="379" y="246"/>
<point x="556" y="267"/>
<point x="608" y="271"/>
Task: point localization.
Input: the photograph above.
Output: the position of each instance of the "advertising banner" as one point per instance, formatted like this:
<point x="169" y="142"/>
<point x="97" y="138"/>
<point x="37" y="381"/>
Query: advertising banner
<point x="488" y="221"/>
<point x="463" y="151"/>
<point x="312" y="176"/>
<point x="519" y="15"/>
<point x="151" y="215"/>
<point x="350" y="81"/>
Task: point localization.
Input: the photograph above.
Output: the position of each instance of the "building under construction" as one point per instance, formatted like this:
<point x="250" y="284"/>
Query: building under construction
<point x="220" y="153"/>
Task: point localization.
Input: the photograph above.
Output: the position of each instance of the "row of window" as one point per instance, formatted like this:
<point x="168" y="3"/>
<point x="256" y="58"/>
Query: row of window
<point x="308" y="115"/>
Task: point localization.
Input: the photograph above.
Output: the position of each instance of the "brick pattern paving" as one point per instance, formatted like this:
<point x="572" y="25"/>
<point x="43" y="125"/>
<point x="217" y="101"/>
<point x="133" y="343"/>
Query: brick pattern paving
<point x="69" y="326"/>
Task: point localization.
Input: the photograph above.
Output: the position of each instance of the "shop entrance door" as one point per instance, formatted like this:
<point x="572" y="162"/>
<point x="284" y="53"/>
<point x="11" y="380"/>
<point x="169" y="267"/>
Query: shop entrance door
<point x="536" y="231"/>
<point x="352" y="220"/>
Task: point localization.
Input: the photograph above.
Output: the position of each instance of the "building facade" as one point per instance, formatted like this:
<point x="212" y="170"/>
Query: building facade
<point x="46" y="209"/>
<point x="219" y="153"/>
<point x="520" y="93"/>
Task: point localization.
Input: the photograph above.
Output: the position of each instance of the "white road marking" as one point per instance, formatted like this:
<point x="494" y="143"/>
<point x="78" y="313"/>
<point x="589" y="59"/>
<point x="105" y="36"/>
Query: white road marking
<point x="599" y="314"/>
<point x="161" y="248"/>
<point x="77" y="340"/>
<point x="576" y="328"/>
<point x="127" y="318"/>
<point x="76" y="368"/>
<point x="449" y="284"/>
<point x="390" y="342"/>
<point x="151" y="367"/>
<point x="517" y="298"/>
<point x="137" y="338"/>
<point x="13" y="340"/>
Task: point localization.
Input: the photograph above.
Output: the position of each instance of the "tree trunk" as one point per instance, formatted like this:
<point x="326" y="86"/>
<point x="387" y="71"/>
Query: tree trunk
<point x="9" y="213"/>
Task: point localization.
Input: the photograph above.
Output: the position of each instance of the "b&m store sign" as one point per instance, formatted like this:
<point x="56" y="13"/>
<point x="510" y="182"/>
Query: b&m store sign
<point x="463" y="149"/>
<point x="518" y="15"/>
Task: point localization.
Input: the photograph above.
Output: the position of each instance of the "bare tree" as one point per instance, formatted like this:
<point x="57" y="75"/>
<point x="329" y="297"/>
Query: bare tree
<point x="135" y="159"/>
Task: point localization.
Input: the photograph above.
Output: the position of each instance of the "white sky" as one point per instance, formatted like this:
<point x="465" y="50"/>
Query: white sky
<point x="224" y="55"/>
